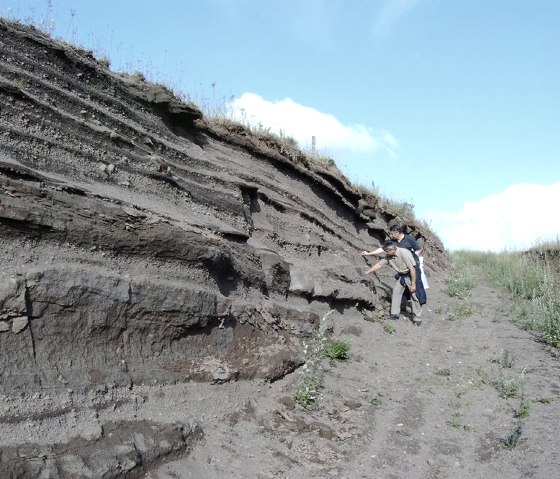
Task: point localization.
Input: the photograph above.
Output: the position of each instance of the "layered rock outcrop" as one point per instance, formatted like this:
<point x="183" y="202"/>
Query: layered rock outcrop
<point x="142" y="242"/>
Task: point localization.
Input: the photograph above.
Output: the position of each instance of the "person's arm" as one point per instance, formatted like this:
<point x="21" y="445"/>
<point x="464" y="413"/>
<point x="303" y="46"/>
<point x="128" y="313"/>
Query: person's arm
<point x="376" y="267"/>
<point x="371" y="253"/>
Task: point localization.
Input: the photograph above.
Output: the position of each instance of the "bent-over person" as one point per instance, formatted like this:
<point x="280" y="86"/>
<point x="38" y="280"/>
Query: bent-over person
<point x="402" y="261"/>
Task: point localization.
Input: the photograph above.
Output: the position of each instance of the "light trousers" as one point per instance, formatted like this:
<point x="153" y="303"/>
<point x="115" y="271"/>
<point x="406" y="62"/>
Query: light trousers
<point x="398" y="291"/>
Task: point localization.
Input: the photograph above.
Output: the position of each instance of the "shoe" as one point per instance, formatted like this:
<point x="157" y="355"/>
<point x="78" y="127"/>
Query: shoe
<point x="417" y="322"/>
<point x="394" y="317"/>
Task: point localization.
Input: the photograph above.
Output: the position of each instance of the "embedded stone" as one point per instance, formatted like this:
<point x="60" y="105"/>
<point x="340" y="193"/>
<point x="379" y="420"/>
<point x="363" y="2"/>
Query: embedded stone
<point x="19" y="324"/>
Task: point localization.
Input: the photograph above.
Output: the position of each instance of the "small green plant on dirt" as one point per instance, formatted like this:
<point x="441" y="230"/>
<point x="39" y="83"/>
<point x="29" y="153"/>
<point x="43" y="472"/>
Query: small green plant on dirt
<point x="307" y="392"/>
<point x="483" y="375"/>
<point x="389" y="328"/>
<point x="464" y="385"/>
<point x="376" y="401"/>
<point x="456" y="423"/>
<point x="505" y="360"/>
<point x="513" y="439"/>
<point x="542" y="400"/>
<point x="523" y="409"/>
<point x="446" y="372"/>
<point x="462" y="311"/>
<point x="337" y="350"/>
<point x="508" y="386"/>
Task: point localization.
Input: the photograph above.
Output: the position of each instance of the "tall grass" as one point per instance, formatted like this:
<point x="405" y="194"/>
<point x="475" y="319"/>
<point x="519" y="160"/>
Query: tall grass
<point x="531" y="280"/>
<point x="461" y="281"/>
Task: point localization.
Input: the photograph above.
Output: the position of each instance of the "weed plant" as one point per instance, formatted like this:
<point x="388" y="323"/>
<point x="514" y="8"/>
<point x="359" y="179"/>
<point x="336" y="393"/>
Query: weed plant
<point x="461" y="311"/>
<point x="508" y="386"/>
<point x="307" y="392"/>
<point x="376" y="401"/>
<point x="505" y="360"/>
<point x="389" y="328"/>
<point x="523" y="409"/>
<point x="337" y="351"/>
<point x="513" y="439"/>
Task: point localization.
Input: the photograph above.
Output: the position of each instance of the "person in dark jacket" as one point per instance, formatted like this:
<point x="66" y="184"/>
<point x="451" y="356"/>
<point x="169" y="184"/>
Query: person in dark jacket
<point x="402" y="240"/>
<point x="402" y="261"/>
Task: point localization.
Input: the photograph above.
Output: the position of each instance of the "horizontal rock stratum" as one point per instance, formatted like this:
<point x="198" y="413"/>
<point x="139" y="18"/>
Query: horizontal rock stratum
<point x="143" y="243"/>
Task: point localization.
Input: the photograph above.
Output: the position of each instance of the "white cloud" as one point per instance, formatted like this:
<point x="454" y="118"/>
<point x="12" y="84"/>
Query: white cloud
<point x="303" y="122"/>
<point x="514" y="219"/>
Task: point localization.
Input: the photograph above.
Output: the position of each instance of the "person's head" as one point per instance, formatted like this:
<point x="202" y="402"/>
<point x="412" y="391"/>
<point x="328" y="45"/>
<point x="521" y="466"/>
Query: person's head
<point x="390" y="248"/>
<point x="396" y="232"/>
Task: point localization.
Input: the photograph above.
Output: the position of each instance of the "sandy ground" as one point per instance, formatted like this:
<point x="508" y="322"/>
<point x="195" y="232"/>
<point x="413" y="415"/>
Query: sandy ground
<point x="439" y="401"/>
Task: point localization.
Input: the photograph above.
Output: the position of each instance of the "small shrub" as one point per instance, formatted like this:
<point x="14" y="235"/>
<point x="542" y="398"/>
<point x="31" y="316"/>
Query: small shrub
<point x="446" y="372"/>
<point x="388" y="328"/>
<point x="513" y="439"/>
<point x="508" y="386"/>
<point x="483" y="375"/>
<point x="523" y="409"/>
<point x="456" y="424"/>
<point x="505" y="360"/>
<point x="337" y="351"/>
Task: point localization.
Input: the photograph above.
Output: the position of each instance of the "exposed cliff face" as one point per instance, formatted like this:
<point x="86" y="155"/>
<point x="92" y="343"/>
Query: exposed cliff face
<point x="141" y="243"/>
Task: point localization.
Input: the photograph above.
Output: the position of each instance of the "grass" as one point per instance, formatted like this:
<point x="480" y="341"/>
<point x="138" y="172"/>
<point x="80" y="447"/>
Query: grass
<point x="461" y="311"/>
<point x="454" y="423"/>
<point x="505" y="360"/>
<point x="523" y="409"/>
<point x="531" y="278"/>
<point x="461" y="281"/>
<point x="460" y="284"/>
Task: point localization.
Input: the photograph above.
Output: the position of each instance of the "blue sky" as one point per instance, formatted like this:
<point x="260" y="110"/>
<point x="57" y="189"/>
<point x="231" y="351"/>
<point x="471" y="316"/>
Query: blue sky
<point x="453" y="105"/>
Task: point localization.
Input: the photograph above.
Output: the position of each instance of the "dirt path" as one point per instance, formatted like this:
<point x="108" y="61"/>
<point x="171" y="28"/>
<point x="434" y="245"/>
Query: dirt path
<point x="432" y="402"/>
